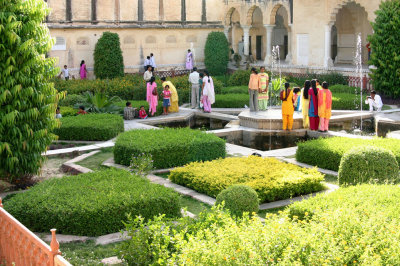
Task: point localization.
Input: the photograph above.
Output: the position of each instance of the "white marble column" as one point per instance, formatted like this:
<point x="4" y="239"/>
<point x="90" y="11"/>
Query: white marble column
<point x="246" y="37"/>
<point x="268" y="57"/>
<point x="290" y="41"/>
<point x="327" y="58"/>
<point x="226" y="32"/>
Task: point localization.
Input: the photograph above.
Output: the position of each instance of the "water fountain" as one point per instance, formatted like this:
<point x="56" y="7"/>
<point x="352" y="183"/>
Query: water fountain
<point x="358" y="71"/>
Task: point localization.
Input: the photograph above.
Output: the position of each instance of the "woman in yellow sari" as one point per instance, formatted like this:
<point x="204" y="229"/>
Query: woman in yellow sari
<point x="174" y="108"/>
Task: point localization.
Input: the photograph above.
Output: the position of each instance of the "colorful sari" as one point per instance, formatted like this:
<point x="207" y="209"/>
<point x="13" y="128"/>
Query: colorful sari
<point x="305" y="103"/>
<point x="152" y="99"/>
<point x="324" y="108"/>
<point x="263" y="95"/>
<point x="313" y="110"/>
<point x="174" y="108"/>
<point x="189" y="61"/>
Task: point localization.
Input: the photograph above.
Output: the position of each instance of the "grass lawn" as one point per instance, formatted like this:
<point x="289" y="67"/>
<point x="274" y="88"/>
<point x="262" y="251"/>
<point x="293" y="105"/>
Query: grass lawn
<point x="88" y="253"/>
<point x="331" y="179"/>
<point x="194" y="206"/>
<point x="94" y="162"/>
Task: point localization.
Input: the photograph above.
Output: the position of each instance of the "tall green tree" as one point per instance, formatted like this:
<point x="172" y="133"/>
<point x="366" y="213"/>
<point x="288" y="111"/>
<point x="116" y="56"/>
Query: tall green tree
<point x="216" y="53"/>
<point x="27" y="97"/>
<point x="108" y="60"/>
<point x="385" y="44"/>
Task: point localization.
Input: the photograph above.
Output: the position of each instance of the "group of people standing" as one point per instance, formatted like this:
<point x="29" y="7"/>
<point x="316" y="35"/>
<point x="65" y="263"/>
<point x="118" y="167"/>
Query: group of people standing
<point x="258" y="90"/>
<point x="313" y="100"/>
<point x="169" y="96"/>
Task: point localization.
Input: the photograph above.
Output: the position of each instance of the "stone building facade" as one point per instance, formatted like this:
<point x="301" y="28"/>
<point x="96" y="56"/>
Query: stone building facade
<point x="309" y="33"/>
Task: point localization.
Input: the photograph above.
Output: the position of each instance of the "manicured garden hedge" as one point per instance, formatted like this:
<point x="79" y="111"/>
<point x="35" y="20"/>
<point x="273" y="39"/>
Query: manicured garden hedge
<point x="236" y="90"/>
<point x="91" y="204"/>
<point x="271" y="179"/>
<point x="327" y="152"/>
<point x="94" y="127"/>
<point x="231" y="100"/>
<point x="169" y="147"/>
<point x="347" y="101"/>
<point x="352" y="226"/>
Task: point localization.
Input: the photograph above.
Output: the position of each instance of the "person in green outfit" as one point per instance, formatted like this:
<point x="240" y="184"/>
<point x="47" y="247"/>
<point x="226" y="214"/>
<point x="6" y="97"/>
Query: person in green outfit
<point x="263" y="91"/>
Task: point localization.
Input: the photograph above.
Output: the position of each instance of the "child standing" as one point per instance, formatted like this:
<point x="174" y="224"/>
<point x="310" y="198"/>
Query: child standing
<point x="324" y="107"/>
<point x="297" y="99"/>
<point x="166" y="99"/>
<point x="142" y="113"/>
<point x="287" y="107"/>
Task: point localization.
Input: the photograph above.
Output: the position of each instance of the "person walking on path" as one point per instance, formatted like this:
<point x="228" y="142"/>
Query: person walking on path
<point x="208" y="97"/>
<point x="313" y="106"/>
<point x="287" y="108"/>
<point x="324" y="107"/>
<point x="189" y="60"/>
<point x="174" y="107"/>
<point x="254" y="86"/>
<point x="83" y="70"/>
<point x="152" y="95"/>
<point x="194" y="80"/>
<point x="305" y="102"/>
<point x="153" y="61"/>
<point x="263" y="92"/>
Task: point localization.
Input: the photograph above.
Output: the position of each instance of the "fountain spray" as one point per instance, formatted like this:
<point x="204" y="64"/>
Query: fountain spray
<point x="358" y="63"/>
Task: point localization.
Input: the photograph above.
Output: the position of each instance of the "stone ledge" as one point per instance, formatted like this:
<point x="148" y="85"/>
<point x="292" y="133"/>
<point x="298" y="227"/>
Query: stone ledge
<point x="71" y="167"/>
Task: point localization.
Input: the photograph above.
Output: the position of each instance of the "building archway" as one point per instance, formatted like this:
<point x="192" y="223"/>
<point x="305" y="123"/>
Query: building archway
<point x="257" y="36"/>
<point x="280" y="20"/>
<point x="350" y="20"/>
<point x="232" y="20"/>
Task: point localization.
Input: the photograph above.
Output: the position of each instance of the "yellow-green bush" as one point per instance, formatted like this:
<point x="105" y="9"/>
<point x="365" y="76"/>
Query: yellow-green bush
<point x="271" y="179"/>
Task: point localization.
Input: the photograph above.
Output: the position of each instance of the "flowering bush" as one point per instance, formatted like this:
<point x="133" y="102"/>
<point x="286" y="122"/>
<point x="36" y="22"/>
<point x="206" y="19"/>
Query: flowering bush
<point x="354" y="225"/>
<point x="327" y="153"/>
<point x="168" y="147"/>
<point x="271" y="179"/>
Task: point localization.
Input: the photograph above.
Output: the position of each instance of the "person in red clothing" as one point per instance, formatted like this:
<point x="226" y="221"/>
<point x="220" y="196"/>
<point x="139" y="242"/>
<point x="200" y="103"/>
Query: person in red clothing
<point x="142" y="113"/>
<point x="81" y="110"/>
<point x="369" y="50"/>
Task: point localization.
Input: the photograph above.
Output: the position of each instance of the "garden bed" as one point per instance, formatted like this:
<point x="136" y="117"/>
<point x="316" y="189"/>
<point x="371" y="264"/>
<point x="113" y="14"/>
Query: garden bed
<point x="90" y="127"/>
<point x="326" y="153"/>
<point x="272" y="179"/>
<point x="91" y="204"/>
<point x="168" y="147"/>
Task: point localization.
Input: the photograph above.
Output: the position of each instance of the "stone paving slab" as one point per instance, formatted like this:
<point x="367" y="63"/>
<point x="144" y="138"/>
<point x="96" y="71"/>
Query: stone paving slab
<point x="98" y="146"/>
<point x="286" y="152"/>
<point x="324" y="171"/>
<point x="71" y="166"/>
<point x="111" y="261"/>
<point x="64" y="239"/>
<point x="236" y="150"/>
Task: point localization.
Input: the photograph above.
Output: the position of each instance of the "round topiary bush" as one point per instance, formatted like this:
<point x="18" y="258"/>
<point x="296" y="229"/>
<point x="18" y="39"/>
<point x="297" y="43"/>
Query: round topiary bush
<point x="239" y="199"/>
<point x="368" y="164"/>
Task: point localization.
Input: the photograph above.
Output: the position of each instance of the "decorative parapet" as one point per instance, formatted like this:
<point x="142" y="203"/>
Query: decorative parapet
<point x="19" y="246"/>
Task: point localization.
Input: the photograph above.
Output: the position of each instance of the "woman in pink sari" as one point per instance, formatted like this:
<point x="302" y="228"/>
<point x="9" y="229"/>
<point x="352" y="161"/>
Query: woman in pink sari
<point x="83" y="70"/>
<point x="152" y="95"/>
<point x="189" y="60"/>
<point x="208" y="92"/>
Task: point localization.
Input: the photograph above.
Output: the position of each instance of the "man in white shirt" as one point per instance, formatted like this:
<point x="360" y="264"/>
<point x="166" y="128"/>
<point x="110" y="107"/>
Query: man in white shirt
<point x="65" y="72"/>
<point x="194" y="79"/>
<point x="152" y="61"/>
<point x="148" y="74"/>
<point x="147" y="63"/>
<point x="374" y="101"/>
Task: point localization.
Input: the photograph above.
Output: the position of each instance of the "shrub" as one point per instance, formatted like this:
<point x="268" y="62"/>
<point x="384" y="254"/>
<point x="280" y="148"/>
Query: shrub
<point x="108" y="60"/>
<point x="216" y="53"/>
<point x="236" y="90"/>
<point x="368" y="164"/>
<point x="333" y="78"/>
<point x="327" y="153"/>
<point x="271" y="179"/>
<point x="168" y="147"/>
<point x="384" y="44"/>
<point x="27" y="97"/>
<point x="72" y="99"/>
<point x="347" y="101"/>
<point x="91" y="204"/>
<point x="239" y="78"/>
<point x="93" y="127"/>
<point x="231" y="100"/>
<point x="68" y="111"/>
<point x="239" y="199"/>
<point x="338" y="88"/>
<point x="355" y="225"/>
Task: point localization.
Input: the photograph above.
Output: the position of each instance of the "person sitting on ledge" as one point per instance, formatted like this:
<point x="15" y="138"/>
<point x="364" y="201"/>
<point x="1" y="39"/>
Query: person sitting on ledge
<point x="374" y="101"/>
<point x="129" y="112"/>
<point x="142" y="113"/>
<point x="81" y="110"/>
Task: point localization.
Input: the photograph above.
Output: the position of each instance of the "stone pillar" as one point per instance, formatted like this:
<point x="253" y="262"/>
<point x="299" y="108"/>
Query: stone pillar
<point x="246" y="36"/>
<point x="327" y="59"/>
<point x="183" y="11"/>
<point x="140" y="10"/>
<point x="94" y="11"/>
<point x="290" y="41"/>
<point x="68" y="11"/>
<point x="268" y="57"/>
<point x="203" y="12"/>
<point x="226" y="32"/>
<point x="161" y="9"/>
<point x="117" y="11"/>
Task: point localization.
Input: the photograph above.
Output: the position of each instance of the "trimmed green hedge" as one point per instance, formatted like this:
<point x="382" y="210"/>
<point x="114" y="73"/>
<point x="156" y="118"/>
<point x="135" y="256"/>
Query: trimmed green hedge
<point x="239" y="78"/>
<point x="236" y="90"/>
<point x="231" y="100"/>
<point x="169" y="147"/>
<point x="91" y="204"/>
<point x="94" y="127"/>
<point x="327" y="152"/>
<point x="68" y="111"/>
<point x="347" y="101"/>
